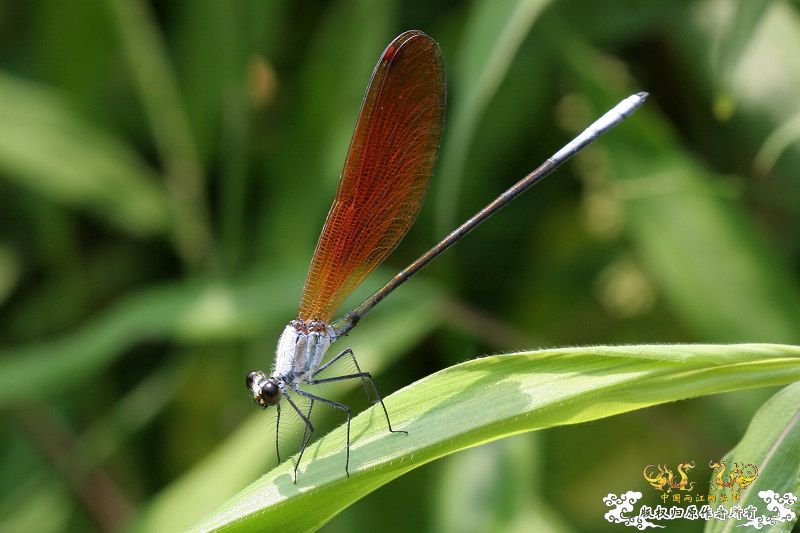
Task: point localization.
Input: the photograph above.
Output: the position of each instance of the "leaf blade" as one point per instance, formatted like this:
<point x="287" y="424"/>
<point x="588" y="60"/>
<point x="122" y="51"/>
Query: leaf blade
<point x="772" y="443"/>
<point x="446" y="412"/>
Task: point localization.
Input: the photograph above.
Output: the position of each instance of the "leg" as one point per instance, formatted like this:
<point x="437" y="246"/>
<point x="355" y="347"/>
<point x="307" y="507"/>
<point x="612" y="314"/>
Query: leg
<point x="277" y="432"/>
<point x="349" y="352"/>
<point x="306" y="433"/>
<point x="363" y="376"/>
<point x="366" y="377"/>
<point x="346" y="410"/>
<point x="309" y="430"/>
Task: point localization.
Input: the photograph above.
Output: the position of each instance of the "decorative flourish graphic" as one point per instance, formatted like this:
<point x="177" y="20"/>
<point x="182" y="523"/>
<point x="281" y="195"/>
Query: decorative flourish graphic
<point x="624" y="504"/>
<point x="777" y="504"/>
<point x="659" y="477"/>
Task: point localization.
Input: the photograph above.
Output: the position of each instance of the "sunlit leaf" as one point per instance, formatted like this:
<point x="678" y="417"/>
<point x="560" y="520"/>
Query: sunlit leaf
<point x="490" y="398"/>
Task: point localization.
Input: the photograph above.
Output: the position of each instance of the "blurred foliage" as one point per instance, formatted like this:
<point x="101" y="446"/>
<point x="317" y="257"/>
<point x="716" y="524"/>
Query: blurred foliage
<point x="165" y="169"/>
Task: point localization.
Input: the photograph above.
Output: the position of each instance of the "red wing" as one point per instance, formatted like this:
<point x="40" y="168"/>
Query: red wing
<point x="386" y="173"/>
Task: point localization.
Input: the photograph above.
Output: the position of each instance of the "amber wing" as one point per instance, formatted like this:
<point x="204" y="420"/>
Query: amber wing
<point x="386" y="173"/>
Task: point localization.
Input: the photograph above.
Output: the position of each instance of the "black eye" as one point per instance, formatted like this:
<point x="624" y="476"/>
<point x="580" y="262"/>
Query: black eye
<point x="251" y="378"/>
<point x="270" y="392"/>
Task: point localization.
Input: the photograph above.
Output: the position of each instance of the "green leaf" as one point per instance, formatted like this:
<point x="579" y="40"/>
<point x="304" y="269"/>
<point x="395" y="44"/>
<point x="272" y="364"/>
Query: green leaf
<point x="48" y="148"/>
<point x="488" y="399"/>
<point x="771" y="443"/>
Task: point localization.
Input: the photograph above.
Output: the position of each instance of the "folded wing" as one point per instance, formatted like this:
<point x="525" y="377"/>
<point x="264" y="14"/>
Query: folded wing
<point x="386" y="173"/>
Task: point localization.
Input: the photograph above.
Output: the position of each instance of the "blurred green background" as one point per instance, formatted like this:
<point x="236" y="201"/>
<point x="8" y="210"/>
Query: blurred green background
<point x="165" y="169"/>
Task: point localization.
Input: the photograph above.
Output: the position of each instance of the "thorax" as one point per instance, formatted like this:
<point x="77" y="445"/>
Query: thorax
<point x="301" y="347"/>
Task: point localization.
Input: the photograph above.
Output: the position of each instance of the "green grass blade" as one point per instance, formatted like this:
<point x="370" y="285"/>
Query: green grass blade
<point x="489" y="398"/>
<point x="772" y="443"/>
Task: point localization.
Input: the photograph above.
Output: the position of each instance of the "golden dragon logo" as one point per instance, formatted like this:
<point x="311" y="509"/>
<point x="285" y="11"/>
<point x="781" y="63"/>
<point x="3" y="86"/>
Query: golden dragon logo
<point x="660" y="477"/>
<point x="740" y="476"/>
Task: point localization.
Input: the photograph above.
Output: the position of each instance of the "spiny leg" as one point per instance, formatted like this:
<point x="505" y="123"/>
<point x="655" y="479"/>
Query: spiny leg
<point x="346" y="410"/>
<point x="363" y="376"/>
<point x="309" y="430"/>
<point x="306" y="433"/>
<point x="277" y="432"/>
<point x="366" y="377"/>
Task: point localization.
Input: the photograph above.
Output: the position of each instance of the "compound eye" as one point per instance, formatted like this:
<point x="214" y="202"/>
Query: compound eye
<point x="251" y="378"/>
<point x="270" y="392"/>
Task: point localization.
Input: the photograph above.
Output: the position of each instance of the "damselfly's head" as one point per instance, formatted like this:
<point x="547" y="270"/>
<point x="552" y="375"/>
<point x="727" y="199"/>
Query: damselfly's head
<point x="265" y="391"/>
